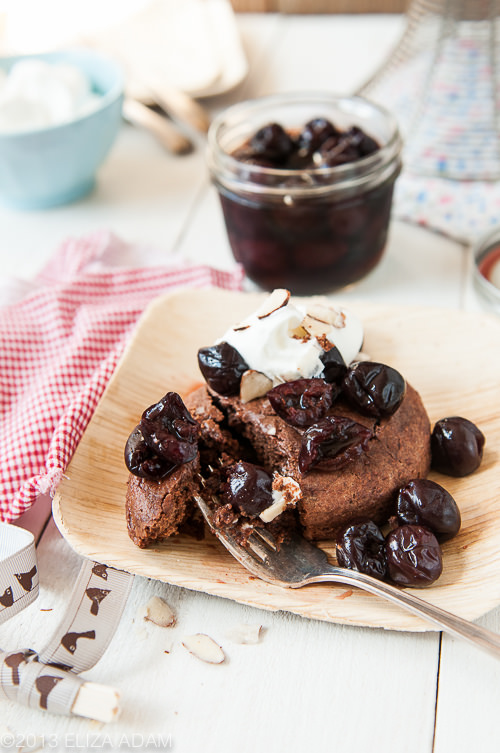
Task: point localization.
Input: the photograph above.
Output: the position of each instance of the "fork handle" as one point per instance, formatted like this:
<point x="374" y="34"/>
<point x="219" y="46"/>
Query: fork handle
<point x="469" y="631"/>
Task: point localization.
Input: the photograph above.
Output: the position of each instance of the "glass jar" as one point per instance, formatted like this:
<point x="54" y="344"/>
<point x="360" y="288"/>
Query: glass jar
<point x="309" y="230"/>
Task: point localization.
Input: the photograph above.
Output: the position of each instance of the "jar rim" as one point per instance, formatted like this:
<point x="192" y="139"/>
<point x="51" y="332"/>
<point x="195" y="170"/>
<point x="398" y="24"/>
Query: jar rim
<point x="385" y="162"/>
<point x="487" y="290"/>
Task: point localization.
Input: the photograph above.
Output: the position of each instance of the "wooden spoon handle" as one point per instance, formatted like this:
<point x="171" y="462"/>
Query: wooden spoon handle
<point x="179" y="105"/>
<point x="166" y="132"/>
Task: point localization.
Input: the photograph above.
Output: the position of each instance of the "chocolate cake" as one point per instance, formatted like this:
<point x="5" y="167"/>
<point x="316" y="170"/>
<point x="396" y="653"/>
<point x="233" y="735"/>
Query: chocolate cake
<point x="156" y="509"/>
<point x="333" y="445"/>
<point x="398" y="452"/>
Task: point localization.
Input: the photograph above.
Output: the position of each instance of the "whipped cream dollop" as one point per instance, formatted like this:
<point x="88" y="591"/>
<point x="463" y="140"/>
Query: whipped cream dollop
<point x="37" y="94"/>
<point x="285" y="340"/>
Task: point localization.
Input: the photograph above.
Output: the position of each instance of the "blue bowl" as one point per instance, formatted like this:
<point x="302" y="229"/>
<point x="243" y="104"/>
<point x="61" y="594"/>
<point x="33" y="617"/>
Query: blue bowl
<point x="57" y="165"/>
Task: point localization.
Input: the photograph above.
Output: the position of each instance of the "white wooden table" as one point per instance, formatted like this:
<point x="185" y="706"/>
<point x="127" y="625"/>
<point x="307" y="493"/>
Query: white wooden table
<point x="307" y="686"/>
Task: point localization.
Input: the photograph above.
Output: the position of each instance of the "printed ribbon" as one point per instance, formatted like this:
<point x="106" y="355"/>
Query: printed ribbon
<point x="48" y="679"/>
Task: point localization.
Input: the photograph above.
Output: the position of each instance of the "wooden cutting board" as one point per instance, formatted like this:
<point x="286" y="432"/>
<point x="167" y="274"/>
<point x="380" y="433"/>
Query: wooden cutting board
<point x="451" y="358"/>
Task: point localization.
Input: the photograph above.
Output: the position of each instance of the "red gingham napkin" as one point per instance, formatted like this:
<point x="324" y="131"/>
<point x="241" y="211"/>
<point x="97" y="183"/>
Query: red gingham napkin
<point x="59" y="346"/>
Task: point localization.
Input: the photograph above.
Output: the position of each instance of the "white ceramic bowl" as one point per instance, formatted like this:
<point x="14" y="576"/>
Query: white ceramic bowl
<point x="57" y="165"/>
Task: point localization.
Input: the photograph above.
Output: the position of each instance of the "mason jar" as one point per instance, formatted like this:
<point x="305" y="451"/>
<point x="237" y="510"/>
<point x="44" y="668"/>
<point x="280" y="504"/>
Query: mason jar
<point x="309" y="229"/>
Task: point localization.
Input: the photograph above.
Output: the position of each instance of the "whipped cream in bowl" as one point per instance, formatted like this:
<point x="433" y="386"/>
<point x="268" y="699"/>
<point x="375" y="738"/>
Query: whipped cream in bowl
<point x="37" y="93"/>
<point x="60" y="113"/>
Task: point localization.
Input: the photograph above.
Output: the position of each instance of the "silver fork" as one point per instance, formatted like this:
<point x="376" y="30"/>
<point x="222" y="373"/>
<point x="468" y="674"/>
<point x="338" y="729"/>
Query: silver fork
<point x="297" y="562"/>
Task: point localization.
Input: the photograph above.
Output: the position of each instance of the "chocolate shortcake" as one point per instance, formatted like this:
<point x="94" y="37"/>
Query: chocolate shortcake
<point x="294" y="426"/>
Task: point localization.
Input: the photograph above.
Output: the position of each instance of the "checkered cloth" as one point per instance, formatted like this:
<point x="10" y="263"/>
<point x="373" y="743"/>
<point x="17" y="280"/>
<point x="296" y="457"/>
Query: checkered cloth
<point x="59" y="346"/>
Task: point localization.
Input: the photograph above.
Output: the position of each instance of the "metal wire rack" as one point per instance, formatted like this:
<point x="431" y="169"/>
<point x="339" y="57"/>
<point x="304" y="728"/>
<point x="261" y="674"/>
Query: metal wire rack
<point x="443" y="84"/>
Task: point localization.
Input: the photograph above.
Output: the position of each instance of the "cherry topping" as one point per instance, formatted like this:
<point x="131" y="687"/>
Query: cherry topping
<point x="272" y="142"/>
<point x="166" y="437"/>
<point x="170" y="430"/>
<point x="142" y="461"/>
<point x="335" y="367"/>
<point x="361" y="141"/>
<point x="413" y="556"/>
<point x="247" y="487"/>
<point x="361" y="547"/>
<point x="222" y="366"/>
<point x="374" y="388"/>
<point x="456" y="446"/>
<point x="338" y="151"/>
<point x="315" y="133"/>
<point x="423" y="502"/>
<point x="331" y="443"/>
<point x="302" y="402"/>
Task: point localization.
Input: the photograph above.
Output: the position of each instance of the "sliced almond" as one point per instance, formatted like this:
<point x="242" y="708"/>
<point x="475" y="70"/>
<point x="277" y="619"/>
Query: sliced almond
<point x="286" y="493"/>
<point x="158" y="611"/>
<point x="96" y="701"/>
<point x="204" y="648"/>
<point x="315" y="327"/>
<point x="253" y="384"/>
<point x="299" y="333"/>
<point x="276" y="300"/>
<point x="326" y="314"/>
<point x="244" y="633"/>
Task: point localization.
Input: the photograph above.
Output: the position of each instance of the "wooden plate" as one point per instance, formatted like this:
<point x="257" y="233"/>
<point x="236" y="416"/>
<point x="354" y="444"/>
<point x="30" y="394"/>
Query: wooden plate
<point x="450" y="357"/>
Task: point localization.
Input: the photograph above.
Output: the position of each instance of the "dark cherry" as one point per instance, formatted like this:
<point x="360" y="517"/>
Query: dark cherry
<point x="302" y="402"/>
<point x="374" y="388"/>
<point x="457" y="446"/>
<point x="413" y="556"/>
<point x="360" y="140"/>
<point x="335" y="367"/>
<point x="170" y="431"/>
<point x="272" y="142"/>
<point x="337" y="151"/>
<point x="361" y="547"/>
<point x="331" y="443"/>
<point x="222" y="366"/>
<point x="249" y="157"/>
<point x="247" y="487"/>
<point x="142" y="461"/>
<point x="423" y="502"/>
<point x="314" y="134"/>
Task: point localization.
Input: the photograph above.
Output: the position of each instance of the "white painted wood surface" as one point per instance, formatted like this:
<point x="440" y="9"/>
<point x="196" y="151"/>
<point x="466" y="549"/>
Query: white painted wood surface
<point x="307" y="685"/>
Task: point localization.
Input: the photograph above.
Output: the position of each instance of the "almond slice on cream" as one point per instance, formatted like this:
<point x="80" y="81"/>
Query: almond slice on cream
<point x="253" y="384"/>
<point x="276" y="300"/>
<point x="315" y="327"/>
<point x="326" y="314"/>
<point x="204" y="648"/>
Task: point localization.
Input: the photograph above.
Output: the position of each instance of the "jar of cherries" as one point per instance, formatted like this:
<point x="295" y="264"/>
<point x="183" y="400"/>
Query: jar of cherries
<point x="305" y="183"/>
